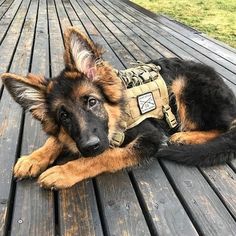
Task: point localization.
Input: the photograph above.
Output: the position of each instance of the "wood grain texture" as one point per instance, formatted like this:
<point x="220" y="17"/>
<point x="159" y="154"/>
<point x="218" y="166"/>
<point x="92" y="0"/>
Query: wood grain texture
<point x="10" y="118"/>
<point x="4" y="7"/>
<point x="9" y="16"/>
<point x="78" y="211"/>
<point x="122" y="37"/>
<point x="7" y="46"/>
<point x="32" y="203"/>
<point x="56" y="42"/>
<point x="223" y="180"/>
<point x="129" y="22"/>
<point x="123" y="216"/>
<point x="206" y="209"/>
<point x="138" y="41"/>
<point x="33" y="210"/>
<point x="164" y="208"/>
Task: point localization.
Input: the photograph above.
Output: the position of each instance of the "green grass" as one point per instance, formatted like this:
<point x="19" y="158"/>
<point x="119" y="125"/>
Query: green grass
<point x="216" y="18"/>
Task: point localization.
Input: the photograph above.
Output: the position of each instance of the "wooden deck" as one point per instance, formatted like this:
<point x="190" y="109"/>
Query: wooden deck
<point x="161" y="199"/>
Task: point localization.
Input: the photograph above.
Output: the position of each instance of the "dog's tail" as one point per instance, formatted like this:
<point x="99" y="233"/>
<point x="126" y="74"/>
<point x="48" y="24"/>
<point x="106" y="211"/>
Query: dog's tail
<point x="216" y="151"/>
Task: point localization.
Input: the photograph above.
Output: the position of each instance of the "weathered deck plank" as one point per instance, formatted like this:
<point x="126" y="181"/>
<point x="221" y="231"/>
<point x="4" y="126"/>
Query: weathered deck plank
<point x="138" y="41"/>
<point x="13" y="18"/>
<point x="38" y="203"/>
<point x="4" y="7"/>
<point x="163" y="208"/>
<point x="10" y="115"/>
<point x="78" y="211"/>
<point x="206" y="209"/>
<point x="160" y="199"/>
<point x="123" y="38"/>
<point x="223" y="179"/>
<point x="160" y="50"/>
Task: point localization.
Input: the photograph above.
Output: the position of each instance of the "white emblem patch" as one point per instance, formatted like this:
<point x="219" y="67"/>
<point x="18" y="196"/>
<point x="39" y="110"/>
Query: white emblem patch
<point x="146" y="103"/>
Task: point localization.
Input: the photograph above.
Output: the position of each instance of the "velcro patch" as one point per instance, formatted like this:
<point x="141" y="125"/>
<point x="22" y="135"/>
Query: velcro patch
<point x="146" y="103"/>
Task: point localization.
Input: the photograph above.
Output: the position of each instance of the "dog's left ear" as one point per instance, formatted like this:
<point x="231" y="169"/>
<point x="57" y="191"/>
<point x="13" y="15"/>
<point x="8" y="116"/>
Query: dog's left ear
<point x="80" y="52"/>
<point x="28" y="91"/>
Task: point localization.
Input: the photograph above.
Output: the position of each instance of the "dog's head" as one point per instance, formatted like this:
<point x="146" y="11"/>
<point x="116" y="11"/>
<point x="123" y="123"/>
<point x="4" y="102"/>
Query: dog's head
<point x="82" y="106"/>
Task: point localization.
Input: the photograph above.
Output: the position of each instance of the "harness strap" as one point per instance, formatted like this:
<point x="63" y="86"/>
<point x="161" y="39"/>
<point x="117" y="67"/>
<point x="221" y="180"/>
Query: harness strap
<point x="169" y="116"/>
<point x="117" y="139"/>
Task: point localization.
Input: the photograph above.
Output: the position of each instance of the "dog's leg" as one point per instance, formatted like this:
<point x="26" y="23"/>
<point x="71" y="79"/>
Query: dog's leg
<point x="66" y="175"/>
<point x="141" y="142"/>
<point x="35" y="163"/>
<point x="194" y="137"/>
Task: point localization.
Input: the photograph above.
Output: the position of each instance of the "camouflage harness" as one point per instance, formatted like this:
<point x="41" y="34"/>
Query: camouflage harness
<point x="147" y="97"/>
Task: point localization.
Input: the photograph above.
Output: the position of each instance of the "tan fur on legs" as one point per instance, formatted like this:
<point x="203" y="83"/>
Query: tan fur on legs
<point x="66" y="175"/>
<point x="186" y="123"/>
<point x="194" y="137"/>
<point x="35" y="163"/>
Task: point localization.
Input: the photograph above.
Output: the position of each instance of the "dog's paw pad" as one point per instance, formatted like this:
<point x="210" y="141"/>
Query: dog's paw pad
<point x="56" y="178"/>
<point x="27" y="166"/>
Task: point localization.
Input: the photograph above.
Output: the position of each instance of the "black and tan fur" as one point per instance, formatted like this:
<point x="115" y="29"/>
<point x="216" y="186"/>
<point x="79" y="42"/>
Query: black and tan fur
<point x="83" y="107"/>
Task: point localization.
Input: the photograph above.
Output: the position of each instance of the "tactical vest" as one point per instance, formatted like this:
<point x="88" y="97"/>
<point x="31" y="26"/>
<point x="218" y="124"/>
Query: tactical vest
<point x="147" y="97"/>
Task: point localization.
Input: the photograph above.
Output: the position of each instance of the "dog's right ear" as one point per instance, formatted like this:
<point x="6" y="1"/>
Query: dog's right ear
<point x="81" y="52"/>
<point x="28" y="91"/>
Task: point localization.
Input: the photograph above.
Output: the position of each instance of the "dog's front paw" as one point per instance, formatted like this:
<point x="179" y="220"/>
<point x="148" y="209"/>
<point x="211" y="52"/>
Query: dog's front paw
<point x="29" y="166"/>
<point x="57" y="178"/>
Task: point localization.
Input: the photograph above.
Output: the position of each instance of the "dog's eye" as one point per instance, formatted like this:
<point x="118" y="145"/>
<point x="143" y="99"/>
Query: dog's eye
<point x="92" y="102"/>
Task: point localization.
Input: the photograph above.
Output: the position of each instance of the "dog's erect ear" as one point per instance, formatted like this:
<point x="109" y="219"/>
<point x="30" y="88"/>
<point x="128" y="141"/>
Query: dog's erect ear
<point x="28" y="91"/>
<point x="80" y="52"/>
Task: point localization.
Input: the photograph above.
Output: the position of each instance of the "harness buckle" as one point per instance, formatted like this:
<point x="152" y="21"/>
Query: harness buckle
<point x="117" y="139"/>
<point x="170" y="118"/>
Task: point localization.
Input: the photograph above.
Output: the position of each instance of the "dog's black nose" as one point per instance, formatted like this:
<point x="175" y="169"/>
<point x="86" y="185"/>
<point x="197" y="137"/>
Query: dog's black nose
<point x="90" y="146"/>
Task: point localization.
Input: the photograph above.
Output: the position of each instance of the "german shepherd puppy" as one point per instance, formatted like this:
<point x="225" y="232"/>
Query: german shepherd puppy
<point x="84" y="106"/>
